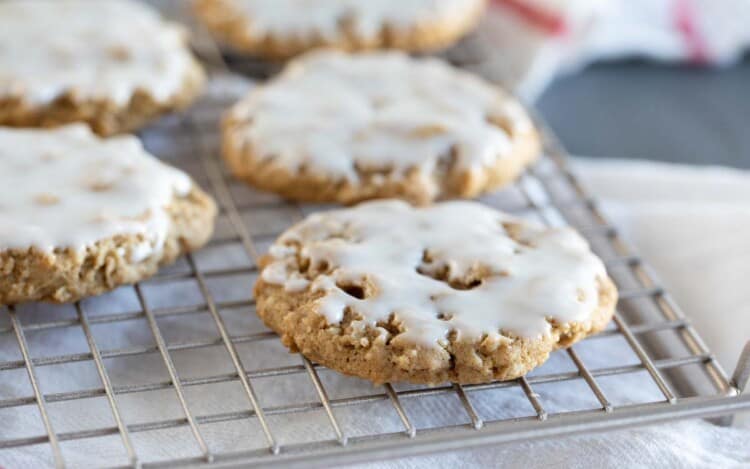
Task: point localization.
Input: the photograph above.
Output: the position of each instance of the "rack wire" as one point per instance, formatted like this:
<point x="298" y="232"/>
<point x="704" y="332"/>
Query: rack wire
<point x="660" y="347"/>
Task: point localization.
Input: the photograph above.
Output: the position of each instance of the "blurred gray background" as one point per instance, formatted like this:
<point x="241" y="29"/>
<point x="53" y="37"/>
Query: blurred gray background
<point x="650" y="111"/>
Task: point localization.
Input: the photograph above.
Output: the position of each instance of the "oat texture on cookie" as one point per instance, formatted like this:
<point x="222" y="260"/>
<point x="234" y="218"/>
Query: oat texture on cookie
<point x="449" y="278"/>
<point x="340" y="127"/>
<point x="279" y="29"/>
<point x="111" y="63"/>
<point x="80" y="214"/>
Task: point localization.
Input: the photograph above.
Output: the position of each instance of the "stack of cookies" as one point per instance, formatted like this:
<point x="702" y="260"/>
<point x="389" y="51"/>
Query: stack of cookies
<point x="82" y="212"/>
<point x="414" y="288"/>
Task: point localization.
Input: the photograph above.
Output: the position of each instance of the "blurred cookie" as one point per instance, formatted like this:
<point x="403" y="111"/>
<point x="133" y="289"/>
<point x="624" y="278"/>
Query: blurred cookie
<point x="344" y="128"/>
<point x="454" y="292"/>
<point x="80" y="215"/>
<point x="113" y="64"/>
<point x="279" y="29"/>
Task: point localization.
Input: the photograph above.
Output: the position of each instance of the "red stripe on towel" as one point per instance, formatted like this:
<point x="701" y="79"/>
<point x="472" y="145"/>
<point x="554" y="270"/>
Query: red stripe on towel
<point x="686" y="24"/>
<point x="548" y="21"/>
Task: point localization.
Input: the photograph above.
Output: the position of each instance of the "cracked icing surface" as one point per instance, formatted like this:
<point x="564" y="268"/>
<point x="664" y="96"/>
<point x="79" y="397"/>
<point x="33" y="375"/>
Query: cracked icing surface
<point x="368" y="118"/>
<point x="104" y="49"/>
<point x="454" y="268"/>
<point x="67" y="188"/>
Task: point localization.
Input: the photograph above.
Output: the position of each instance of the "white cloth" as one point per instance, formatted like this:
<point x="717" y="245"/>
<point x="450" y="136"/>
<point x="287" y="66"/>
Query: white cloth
<point x="691" y="223"/>
<point x="688" y="445"/>
<point x="525" y="44"/>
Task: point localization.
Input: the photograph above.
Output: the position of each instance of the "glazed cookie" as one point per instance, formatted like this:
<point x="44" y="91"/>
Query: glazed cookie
<point x="345" y="128"/>
<point x="454" y="292"/>
<point x="113" y="64"/>
<point x="279" y="29"/>
<point x="80" y="215"/>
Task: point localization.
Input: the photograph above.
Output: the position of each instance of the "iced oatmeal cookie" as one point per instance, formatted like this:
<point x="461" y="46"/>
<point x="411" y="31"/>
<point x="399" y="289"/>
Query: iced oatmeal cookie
<point x="454" y="292"/>
<point x="81" y="215"/>
<point x="114" y="64"/>
<point x="279" y="29"/>
<point x="335" y="127"/>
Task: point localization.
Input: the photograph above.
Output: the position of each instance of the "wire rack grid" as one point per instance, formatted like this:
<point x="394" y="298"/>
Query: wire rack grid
<point x="663" y="350"/>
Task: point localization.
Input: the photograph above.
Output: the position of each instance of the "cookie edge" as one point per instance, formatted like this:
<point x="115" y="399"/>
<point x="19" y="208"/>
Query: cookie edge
<point x="304" y="330"/>
<point x="229" y="25"/>
<point x="104" y="116"/>
<point x="104" y="265"/>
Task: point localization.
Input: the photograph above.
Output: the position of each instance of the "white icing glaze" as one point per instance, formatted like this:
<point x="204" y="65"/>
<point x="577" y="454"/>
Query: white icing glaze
<point x="551" y="273"/>
<point x="67" y="188"/>
<point x="103" y="49"/>
<point x="332" y="113"/>
<point x="306" y="19"/>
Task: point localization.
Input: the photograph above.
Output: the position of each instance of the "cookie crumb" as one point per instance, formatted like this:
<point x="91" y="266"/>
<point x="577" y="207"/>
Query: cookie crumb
<point x="119" y="52"/>
<point x="46" y="199"/>
<point x="100" y="186"/>
<point x="426" y="131"/>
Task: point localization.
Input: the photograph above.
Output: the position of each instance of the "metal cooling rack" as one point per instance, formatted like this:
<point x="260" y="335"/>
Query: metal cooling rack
<point x="668" y="353"/>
